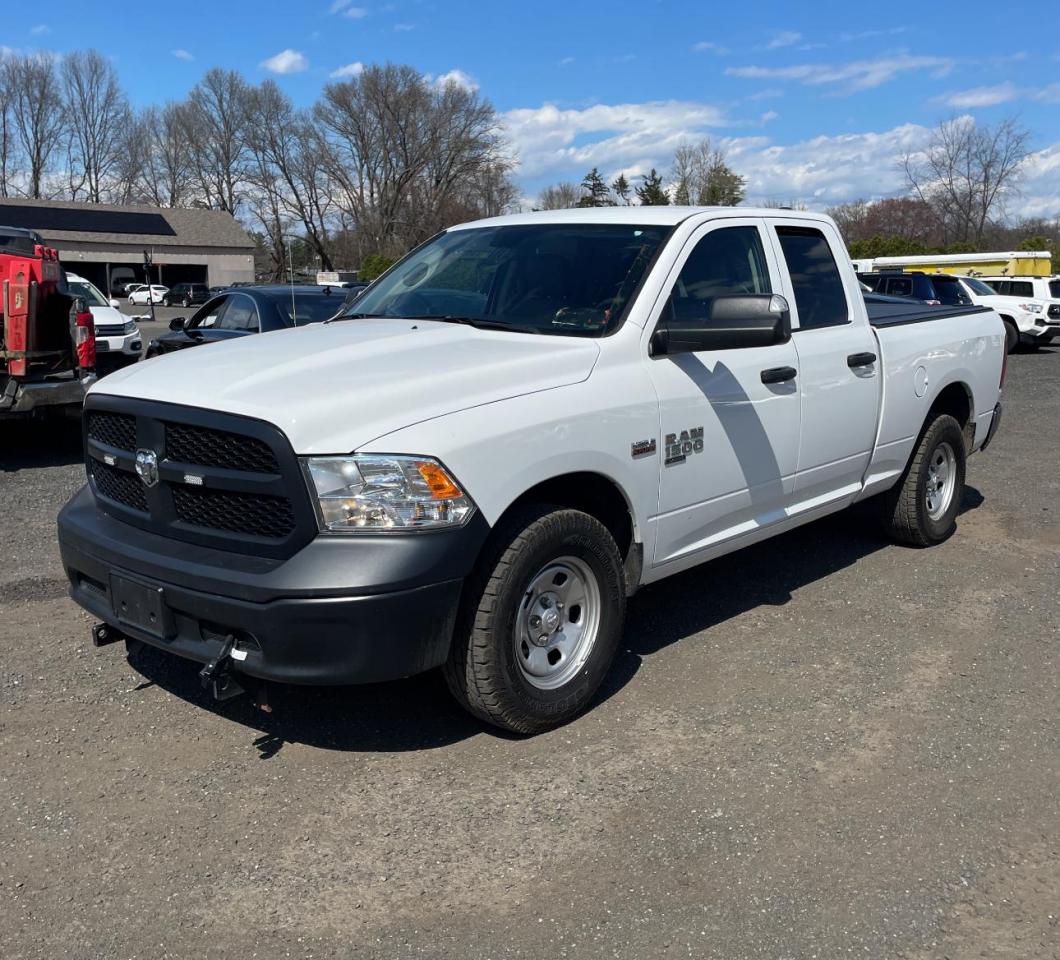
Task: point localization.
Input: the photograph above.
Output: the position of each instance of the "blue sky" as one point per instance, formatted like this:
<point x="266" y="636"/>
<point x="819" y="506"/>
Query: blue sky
<point x="812" y="101"/>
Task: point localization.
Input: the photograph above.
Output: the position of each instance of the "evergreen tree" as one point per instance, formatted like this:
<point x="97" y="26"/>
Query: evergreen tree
<point x="722" y="186"/>
<point x="621" y="190"/>
<point x="597" y="193"/>
<point x="651" y="193"/>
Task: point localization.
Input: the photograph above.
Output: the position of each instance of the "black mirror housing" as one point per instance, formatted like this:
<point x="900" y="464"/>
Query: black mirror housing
<point x="744" y="320"/>
<point x="177" y="323"/>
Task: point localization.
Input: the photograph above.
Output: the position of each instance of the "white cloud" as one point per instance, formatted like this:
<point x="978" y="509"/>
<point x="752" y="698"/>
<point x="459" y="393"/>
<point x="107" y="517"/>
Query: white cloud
<point x="338" y="5"/>
<point x="557" y="143"/>
<point x="355" y="13"/>
<point x="40" y="30"/>
<point x="454" y="76"/>
<point x="349" y="70"/>
<point x="768" y="116"/>
<point x="566" y="61"/>
<point x="853" y="76"/>
<point x="404" y="27"/>
<point x="286" y="61"/>
<point x="980" y="96"/>
<point x="1038" y="194"/>
<point x="785" y="38"/>
<point x="181" y="54"/>
<point x="711" y="47"/>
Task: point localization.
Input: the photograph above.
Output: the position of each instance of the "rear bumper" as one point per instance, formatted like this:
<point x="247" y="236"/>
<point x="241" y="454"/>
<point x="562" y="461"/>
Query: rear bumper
<point x="342" y="610"/>
<point x="29" y="397"/>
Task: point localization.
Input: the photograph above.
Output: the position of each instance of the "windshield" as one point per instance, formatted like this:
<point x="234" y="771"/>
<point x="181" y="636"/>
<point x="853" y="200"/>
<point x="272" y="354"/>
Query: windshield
<point x="85" y="290"/>
<point x="948" y="290"/>
<point x="309" y="309"/>
<point x="979" y="288"/>
<point x="557" y="278"/>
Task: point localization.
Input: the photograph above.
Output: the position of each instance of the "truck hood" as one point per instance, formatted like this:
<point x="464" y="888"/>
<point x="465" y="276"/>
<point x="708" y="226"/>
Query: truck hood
<point x="334" y="387"/>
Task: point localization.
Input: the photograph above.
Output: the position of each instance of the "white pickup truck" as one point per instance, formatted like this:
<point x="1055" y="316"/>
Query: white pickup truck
<point x="506" y="435"/>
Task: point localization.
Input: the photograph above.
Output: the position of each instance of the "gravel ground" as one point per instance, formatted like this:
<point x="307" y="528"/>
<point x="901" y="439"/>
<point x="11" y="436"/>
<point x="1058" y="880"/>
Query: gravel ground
<point x="823" y="746"/>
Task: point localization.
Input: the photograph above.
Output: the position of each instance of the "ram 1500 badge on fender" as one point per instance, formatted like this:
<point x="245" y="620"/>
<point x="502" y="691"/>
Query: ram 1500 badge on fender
<point x="506" y="435"/>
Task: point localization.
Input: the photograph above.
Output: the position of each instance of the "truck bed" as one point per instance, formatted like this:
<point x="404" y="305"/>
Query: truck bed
<point x="892" y="311"/>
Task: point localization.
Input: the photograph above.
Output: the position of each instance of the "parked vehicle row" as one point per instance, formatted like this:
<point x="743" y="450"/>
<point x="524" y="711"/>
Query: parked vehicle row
<point x="1029" y="306"/>
<point x="505" y="436"/>
<point x="118" y="340"/>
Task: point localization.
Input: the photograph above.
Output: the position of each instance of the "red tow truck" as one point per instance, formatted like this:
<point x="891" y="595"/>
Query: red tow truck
<point x="47" y="339"/>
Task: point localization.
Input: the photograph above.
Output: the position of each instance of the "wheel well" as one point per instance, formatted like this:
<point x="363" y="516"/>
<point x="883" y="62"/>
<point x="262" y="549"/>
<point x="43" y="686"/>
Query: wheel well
<point x="600" y="497"/>
<point x="956" y="400"/>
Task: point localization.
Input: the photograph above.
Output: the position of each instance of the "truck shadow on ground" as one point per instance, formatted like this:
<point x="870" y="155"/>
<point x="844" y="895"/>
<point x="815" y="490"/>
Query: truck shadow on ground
<point x="418" y="714"/>
<point x="54" y="442"/>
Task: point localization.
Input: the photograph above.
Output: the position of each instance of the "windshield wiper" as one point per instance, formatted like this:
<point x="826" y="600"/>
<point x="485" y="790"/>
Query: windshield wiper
<point x="479" y="323"/>
<point x="357" y="316"/>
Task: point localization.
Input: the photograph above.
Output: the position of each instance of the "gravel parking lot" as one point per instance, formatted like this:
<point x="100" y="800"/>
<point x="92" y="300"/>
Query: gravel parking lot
<point x="823" y="746"/>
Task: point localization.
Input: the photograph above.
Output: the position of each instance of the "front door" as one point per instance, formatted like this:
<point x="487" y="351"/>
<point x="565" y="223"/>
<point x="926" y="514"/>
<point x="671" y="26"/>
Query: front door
<point x="730" y="439"/>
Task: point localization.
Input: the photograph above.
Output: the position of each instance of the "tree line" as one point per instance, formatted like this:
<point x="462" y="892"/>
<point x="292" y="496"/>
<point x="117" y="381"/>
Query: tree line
<point x="698" y="176"/>
<point x="377" y="164"/>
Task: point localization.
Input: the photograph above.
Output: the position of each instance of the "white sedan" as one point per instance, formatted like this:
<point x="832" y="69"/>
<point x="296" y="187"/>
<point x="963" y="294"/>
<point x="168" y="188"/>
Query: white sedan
<point x="151" y="294"/>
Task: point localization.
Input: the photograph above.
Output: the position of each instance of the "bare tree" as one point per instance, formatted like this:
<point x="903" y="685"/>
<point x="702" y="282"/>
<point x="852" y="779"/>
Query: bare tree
<point x="6" y="131"/>
<point x="401" y="152"/>
<point x="560" y="196"/>
<point x="37" y="114"/>
<point x="966" y="173"/>
<point x="214" y="127"/>
<point x="701" y="176"/>
<point x="166" y="176"/>
<point x="97" y="116"/>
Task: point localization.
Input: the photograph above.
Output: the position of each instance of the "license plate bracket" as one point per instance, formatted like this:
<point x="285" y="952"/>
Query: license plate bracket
<point x="140" y="605"/>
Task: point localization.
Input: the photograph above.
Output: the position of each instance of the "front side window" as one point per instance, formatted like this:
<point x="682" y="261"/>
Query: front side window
<point x="87" y="292"/>
<point x="1054" y="289"/>
<point x="949" y="292"/>
<point x="554" y="278"/>
<point x="815" y="278"/>
<point x="240" y="314"/>
<point x="1022" y="288"/>
<point x="727" y="262"/>
<point x="209" y="314"/>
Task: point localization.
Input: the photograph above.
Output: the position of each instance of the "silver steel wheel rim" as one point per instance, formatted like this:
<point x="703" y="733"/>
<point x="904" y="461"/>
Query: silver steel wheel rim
<point x="941" y="480"/>
<point x="557" y="623"/>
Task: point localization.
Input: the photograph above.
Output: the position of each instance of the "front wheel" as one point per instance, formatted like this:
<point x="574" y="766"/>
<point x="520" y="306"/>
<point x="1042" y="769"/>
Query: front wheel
<point x="1012" y="336"/>
<point x="540" y="622"/>
<point x="921" y="509"/>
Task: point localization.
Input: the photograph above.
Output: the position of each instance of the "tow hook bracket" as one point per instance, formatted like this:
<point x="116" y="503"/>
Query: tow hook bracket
<point x="218" y="676"/>
<point x="103" y="634"/>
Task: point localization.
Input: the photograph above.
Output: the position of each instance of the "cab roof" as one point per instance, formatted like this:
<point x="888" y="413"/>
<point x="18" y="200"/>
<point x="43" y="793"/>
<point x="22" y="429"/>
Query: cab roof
<point x="667" y="216"/>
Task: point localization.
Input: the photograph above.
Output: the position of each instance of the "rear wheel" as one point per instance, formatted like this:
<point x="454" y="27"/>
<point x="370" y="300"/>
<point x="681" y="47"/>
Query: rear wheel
<point x="185" y="302"/>
<point x="921" y="509"/>
<point x="1012" y="336"/>
<point x="541" y="620"/>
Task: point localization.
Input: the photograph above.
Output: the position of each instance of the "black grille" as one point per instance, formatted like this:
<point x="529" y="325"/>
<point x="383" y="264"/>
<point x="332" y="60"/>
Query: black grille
<point x="119" y="485"/>
<point x="218" y="448"/>
<point x="110" y="329"/>
<point x="253" y="514"/>
<point x="114" y="429"/>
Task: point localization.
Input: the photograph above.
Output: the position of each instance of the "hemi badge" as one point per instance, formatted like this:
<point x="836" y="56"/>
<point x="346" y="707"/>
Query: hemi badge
<point x="108" y="460"/>
<point x="642" y="448"/>
<point x="193" y="479"/>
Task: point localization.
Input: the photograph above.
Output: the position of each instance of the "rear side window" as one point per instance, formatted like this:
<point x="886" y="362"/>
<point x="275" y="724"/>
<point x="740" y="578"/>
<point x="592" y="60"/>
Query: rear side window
<point x="900" y="287"/>
<point x="815" y="278"/>
<point x="1021" y="288"/>
<point x="1054" y="289"/>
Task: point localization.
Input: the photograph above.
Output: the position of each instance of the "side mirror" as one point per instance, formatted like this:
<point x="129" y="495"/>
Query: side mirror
<point x="745" y="320"/>
<point x="177" y="323"/>
<point x="113" y="303"/>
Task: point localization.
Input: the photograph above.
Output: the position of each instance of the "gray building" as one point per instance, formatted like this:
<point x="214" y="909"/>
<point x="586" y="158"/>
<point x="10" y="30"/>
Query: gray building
<point x="106" y="243"/>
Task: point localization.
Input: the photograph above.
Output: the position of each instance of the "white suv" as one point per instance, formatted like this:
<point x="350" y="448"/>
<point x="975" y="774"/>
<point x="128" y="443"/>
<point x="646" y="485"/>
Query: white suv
<point x="1028" y="320"/>
<point x="118" y="339"/>
<point x="1038" y="296"/>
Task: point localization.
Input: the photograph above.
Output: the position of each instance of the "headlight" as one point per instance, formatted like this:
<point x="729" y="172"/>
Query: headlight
<point x="130" y="326"/>
<point x="1030" y="307"/>
<point x="372" y="492"/>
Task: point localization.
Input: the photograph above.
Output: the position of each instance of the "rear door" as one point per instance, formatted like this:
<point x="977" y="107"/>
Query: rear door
<point x="838" y="362"/>
<point x="729" y="439"/>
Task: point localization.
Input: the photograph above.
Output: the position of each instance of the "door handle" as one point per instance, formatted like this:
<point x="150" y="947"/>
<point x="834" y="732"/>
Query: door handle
<point x="861" y="359"/>
<point x="779" y="374"/>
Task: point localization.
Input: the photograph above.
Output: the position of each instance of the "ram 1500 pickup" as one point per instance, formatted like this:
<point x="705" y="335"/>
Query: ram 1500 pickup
<point x="507" y="434"/>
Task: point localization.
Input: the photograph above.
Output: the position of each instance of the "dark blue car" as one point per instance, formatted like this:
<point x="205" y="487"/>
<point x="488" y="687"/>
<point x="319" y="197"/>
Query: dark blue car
<point x="240" y="311"/>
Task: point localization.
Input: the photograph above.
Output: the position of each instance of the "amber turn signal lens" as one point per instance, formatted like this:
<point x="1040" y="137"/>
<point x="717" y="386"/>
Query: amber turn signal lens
<point x="440" y="483"/>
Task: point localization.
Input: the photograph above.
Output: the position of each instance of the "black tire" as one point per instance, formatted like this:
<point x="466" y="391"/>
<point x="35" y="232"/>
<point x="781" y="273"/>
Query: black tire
<point x="185" y="303"/>
<point x="906" y="513"/>
<point x="483" y="672"/>
<point x="1012" y="336"/>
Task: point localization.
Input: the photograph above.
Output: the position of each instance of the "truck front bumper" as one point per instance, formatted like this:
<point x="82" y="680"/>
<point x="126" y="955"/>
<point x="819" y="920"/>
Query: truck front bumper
<point x="342" y="610"/>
